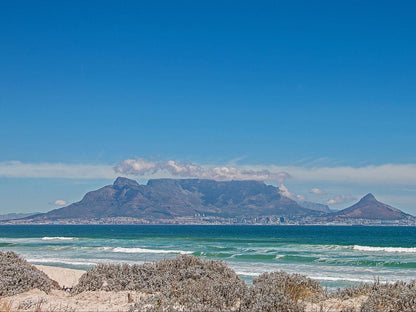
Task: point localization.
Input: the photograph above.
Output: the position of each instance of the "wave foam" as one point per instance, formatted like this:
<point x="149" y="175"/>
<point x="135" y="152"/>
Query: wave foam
<point x="247" y="273"/>
<point x="386" y="249"/>
<point x="334" y="279"/>
<point x="145" y="250"/>
<point x="58" y="238"/>
<point x="62" y="261"/>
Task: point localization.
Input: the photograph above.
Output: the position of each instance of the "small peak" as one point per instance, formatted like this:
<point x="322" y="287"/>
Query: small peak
<point x="368" y="197"/>
<point x="121" y="182"/>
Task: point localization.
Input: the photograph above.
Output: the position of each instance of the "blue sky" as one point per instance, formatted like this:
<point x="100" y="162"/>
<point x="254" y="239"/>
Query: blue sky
<point x="290" y="87"/>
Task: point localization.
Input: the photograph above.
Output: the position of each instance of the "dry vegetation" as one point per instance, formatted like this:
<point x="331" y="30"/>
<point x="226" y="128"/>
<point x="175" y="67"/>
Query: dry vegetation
<point x="193" y="284"/>
<point x="399" y="296"/>
<point x="17" y="276"/>
<point x="351" y="292"/>
<point x="280" y="291"/>
<point x="185" y="282"/>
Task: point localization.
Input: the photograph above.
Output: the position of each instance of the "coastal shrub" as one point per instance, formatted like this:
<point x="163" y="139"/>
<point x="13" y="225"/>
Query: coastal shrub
<point x="281" y="291"/>
<point x="399" y="296"/>
<point x="362" y="289"/>
<point x="296" y="286"/>
<point x="269" y="301"/>
<point x="187" y="282"/>
<point x="17" y="276"/>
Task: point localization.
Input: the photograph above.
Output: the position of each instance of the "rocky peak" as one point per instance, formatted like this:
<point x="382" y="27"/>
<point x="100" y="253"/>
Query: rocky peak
<point x="121" y="182"/>
<point x="368" y="198"/>
<point x="370" y="208"/>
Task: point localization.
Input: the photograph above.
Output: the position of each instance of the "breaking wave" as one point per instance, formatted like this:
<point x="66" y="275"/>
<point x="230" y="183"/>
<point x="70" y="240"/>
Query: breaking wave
<point x="46" y="238"/>
<point x="155" y="251"/>
<point x="61" y="261"/>
<point x="385" y="249"/>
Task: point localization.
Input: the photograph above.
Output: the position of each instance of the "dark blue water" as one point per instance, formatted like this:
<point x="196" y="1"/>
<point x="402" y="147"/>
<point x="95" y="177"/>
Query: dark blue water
<point x="335" y="255"/>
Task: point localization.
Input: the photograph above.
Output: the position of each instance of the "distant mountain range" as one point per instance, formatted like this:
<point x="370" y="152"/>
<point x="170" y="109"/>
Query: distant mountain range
<point x="163" y="200"/>
<point x="170" y="198"/>
<point x="14" y="216"/>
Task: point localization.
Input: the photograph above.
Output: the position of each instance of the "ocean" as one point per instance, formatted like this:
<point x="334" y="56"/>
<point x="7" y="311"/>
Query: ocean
<point x="336" y="256"/>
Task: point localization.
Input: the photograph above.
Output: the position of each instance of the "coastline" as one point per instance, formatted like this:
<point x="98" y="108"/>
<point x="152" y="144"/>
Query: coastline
<point x="119" y="300"/>
<point x="336" y="256"/>
<point x="214" y="222"/>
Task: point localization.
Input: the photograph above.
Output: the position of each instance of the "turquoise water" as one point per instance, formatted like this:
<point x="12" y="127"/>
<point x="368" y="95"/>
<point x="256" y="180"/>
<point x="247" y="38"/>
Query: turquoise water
<point x="337" y="256"/>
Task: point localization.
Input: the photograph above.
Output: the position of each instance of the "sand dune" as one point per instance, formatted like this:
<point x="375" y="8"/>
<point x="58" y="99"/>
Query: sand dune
<point x="64" y="277"/>
<point x="60" y="300"/>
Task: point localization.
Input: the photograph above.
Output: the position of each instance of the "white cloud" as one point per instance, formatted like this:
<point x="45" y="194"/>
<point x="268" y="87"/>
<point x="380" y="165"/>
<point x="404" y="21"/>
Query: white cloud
<point x="317" y="191"/>
<point x="285" y="192"/>
<point x="300" y="198"/>
<point x="387" y="174"/>
<point x="140" y="167"/>
<point x="60" y="202"/>
<point x="390" y="174"/>
<point x="340" y="199"/>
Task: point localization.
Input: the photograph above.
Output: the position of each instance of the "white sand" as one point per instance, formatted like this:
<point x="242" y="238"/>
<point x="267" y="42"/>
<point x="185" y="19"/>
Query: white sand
<point x="59" y="300"/>
<point x="64" y="277"/>
<point x="335" y="305"/>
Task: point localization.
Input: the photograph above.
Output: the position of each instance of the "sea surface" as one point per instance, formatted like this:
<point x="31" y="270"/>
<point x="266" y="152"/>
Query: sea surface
<point x="336" y="256"/>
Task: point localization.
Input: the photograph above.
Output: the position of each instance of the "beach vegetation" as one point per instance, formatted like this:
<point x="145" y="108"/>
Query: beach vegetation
<point x="190" y="284"/>
<point x="281" y="291"/>
<point x="17" y="276"/>
<point x="296" y="286"/>
<point x="354" y="291"/>
<point x="398" y="296"/>
<point x="185" y="282"/>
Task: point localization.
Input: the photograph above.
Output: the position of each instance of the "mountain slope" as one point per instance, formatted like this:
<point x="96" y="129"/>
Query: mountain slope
<point x="314" y="206"/>
<point x="370" y="208"/>
<point x="14" y="216"/>
<point x="170" y="198"/>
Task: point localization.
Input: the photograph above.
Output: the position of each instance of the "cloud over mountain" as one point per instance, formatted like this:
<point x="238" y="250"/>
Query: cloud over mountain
<point x="387" y="174"/>
<point x="140" y="167"/>
<point x="60" y="202"/>
<point x="340" y="199"/>
<point x="285" y="192"/>
<point x="317" y="191"/>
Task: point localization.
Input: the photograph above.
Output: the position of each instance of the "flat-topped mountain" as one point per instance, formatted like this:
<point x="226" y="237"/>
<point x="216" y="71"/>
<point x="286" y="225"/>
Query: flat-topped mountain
<point x="370" y="208"/>
<point x="170" y="198"/>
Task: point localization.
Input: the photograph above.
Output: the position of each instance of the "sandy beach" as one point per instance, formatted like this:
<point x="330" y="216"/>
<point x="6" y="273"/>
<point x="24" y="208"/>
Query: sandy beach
<point x="65" y="277"/>
<point x="61" y="300"/>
